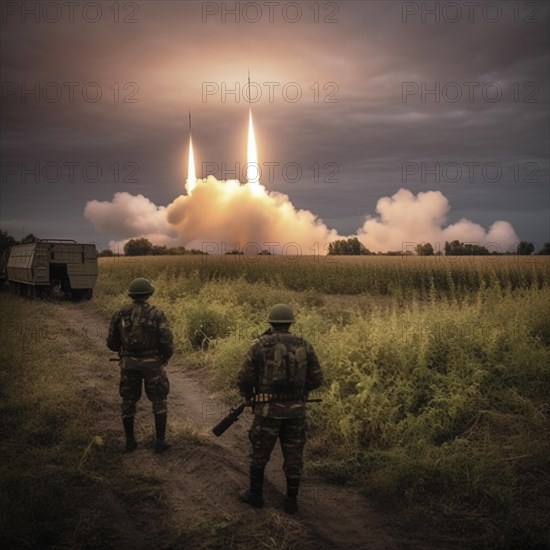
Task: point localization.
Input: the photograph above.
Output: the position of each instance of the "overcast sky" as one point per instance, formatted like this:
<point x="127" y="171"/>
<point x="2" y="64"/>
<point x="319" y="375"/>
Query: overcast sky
<point x="364" y="126"/>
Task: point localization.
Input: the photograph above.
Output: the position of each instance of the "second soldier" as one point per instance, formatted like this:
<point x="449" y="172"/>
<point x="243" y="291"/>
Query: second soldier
<point x="278" y="373"/>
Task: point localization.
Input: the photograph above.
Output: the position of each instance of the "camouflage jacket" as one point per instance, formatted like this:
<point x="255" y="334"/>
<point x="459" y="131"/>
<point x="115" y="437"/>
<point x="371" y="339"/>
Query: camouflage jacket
<point x="140" y="333"/>
<point x="272" y="403"/>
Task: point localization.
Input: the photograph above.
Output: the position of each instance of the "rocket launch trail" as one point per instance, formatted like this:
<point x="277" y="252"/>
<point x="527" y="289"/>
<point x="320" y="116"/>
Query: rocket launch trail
<point x="191" y="171"/>
<point x="252" y="167"/>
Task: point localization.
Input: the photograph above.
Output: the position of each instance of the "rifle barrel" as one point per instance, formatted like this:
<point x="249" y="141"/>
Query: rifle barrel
<point x="225" y="423"/>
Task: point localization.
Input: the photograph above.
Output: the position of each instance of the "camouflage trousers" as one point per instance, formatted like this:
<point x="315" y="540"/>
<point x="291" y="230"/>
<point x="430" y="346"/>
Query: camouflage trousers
<point x="156" y="388"/>
<point x="291" y="433"/>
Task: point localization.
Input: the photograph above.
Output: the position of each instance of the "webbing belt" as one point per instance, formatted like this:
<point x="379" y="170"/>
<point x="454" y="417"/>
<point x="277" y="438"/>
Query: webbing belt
<point x="278" y="397"/>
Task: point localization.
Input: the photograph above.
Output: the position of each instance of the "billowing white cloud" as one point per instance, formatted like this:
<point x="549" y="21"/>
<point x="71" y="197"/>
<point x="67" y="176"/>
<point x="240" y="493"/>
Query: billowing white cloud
<point x="408" y="218"/>
<point x="130" y="216"/>
<point x="239" y="216"/>
<point x="222" y="215"/>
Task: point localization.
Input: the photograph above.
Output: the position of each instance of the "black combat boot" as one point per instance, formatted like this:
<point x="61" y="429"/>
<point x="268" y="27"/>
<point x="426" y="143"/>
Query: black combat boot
<point x="254" y="496"/>
<point x="160" y="429"/>
<point x="291" y="500"/>
<point x="131" y="443"/>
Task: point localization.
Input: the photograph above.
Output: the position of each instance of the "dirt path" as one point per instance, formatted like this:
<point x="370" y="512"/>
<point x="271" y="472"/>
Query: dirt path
<point x="205" y="478"/>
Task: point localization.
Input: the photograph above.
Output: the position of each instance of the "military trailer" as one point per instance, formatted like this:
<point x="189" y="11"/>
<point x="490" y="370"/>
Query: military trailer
<point x="52" y="267"/>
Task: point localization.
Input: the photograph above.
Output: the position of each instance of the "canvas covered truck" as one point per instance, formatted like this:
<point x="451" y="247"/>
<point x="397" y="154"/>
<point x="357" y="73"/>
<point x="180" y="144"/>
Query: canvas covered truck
<point x="52" y="267"/>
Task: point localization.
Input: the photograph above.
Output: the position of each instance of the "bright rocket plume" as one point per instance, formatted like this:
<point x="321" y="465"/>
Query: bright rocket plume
<point x="252" y="167"/>
<point x="237" y="215"/>
<point x="191" y="171"/>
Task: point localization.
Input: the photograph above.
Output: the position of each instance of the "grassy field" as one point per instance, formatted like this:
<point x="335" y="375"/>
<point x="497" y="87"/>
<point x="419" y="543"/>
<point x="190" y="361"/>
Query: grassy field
<point x="437" y="371"/>
<point x="49" y="450"/>
<point x="64" y="483"/>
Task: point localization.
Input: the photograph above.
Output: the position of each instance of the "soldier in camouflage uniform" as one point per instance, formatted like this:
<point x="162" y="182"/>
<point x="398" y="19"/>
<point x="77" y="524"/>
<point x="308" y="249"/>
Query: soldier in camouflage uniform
<point x="278" y="373"/>
<point x="140" y="334"/>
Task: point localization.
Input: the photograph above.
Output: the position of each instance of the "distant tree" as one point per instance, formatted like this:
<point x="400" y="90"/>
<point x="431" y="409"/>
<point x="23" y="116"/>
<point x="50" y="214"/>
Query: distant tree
<point x="425" y="249"/>
<point x="358" y="248"/>
<point x="475" y="250"/>
<point x="545" y="250"/>
<point x="525" y="248"/>
<point x="334" y="248"/>
<point x="106" y="253"/>
<point x="6" y="240"/>
<point x="348" y="247"/>
<point x="30" y="238"/>
<point x="233" y="252"/>
<point x="456" y="248"/>
<point x="159" y="250"/>
<point x="177" y="251"/>
<point x="138" y="247"/>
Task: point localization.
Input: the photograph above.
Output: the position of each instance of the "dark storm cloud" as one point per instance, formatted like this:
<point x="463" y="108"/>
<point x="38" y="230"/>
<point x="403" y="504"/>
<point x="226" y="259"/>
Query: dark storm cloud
<point x="370" y="132"/>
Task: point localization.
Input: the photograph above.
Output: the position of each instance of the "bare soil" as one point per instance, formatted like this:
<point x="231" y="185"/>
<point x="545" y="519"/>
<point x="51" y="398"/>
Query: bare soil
<point x="199" y="479"/>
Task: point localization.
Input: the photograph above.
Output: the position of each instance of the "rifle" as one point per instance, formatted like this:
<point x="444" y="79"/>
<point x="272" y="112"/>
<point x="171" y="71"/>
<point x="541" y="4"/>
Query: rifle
<point x="235" y="412"/>
<point x="229" y="420"/>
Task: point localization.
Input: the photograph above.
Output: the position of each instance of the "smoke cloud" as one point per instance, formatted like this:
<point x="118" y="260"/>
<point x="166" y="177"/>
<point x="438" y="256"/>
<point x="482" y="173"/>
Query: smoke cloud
<point x="406" y="218"/>
<point x="130" y="216"/>
<point x="235" y="214"/>
<point x="222" y="215"/>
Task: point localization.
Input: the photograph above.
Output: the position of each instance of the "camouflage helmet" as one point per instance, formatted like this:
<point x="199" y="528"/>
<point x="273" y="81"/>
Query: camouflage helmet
<point x="280" y="314"/>
<point x="140" y="287"/>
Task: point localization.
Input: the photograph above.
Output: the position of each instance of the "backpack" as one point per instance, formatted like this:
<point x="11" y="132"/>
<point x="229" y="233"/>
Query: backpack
<point x="137" y="330"/>
<point x="284" y="365"/>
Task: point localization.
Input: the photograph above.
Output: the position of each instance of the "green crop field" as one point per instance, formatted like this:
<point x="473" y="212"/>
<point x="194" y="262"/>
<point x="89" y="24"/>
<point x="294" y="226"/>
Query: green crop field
<point x="437" y="370"/>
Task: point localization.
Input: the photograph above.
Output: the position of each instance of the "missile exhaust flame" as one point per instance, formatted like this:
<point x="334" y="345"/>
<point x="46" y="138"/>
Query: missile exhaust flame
<point x="252" y="167"/>
<point x="191" y="171"/>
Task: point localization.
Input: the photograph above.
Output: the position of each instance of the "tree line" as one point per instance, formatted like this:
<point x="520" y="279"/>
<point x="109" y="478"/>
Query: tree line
<point x="134" y="247"/>
<point x="353" y="247"/>
<point x="7" y="240"/>
<point x="144" y="247"/>
<point x="342" y="247"/>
